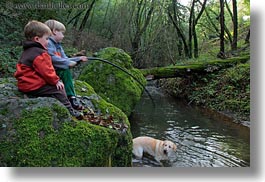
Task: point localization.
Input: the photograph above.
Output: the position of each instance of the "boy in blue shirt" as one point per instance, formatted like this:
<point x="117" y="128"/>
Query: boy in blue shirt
<point x="61" y="62"/>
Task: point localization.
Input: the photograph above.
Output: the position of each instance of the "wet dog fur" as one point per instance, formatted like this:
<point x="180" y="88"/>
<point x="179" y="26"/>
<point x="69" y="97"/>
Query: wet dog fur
<point x="160" y="150"/>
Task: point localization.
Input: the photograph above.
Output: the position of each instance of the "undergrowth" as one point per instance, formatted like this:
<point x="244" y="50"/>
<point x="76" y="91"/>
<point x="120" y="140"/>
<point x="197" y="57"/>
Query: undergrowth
<point x="227" y="90"/>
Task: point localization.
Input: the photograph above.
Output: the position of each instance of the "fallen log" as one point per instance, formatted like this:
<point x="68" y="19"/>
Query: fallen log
<point x="188" y="69"/>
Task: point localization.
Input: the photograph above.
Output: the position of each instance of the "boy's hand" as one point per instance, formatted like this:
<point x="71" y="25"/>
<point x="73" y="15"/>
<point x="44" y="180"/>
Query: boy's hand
<point x="83" y="58"/>
<point x="60" y="85"/>
<point x="72" y="64"/>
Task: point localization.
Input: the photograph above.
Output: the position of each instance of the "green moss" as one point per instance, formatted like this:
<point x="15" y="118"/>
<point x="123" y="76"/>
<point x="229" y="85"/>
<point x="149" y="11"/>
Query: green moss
<point x="225" y="90"/>
<point x="194" y="67"/>
<point x="3" y="111"/>
<point x="116" y="56"/>
<point x="84" y="89"/>
<point x="39" y="143"/>
<point x="26" y="149"/>
<point x="61" y="112"/>
<point x="92" y="144"/>
<point x="112" y="84"/>
<point x="8" y="88"/>
<point x="122" y="155"/>
<point x="8" y="59"/>
<point x="43" y="134"/>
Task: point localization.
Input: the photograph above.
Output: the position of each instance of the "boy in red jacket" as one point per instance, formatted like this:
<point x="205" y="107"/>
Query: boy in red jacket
<point x="35" y="73"/>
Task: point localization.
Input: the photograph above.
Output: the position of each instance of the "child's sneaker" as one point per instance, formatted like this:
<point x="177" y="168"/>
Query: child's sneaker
<point x="75" y="103"/>
<point x="78" y="115"/>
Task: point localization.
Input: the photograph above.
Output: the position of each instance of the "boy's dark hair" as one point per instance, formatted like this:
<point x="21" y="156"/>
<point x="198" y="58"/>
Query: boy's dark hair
<point x="35" y="28"/>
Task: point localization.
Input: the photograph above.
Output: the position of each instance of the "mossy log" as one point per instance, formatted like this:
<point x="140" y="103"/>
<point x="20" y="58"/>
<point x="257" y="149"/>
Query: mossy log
<point x="189" y="69"/>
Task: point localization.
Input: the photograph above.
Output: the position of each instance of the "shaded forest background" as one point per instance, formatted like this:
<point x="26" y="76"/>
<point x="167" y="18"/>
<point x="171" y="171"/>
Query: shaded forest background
<point x="153" y="32"/>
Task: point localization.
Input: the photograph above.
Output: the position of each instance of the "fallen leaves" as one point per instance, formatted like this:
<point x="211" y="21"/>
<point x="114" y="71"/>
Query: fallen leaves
<point x="105" y="121"/>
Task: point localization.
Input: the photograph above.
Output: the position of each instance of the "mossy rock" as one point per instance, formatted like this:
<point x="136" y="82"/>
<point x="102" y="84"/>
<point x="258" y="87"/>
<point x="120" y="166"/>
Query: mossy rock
<point x="112" y="84"/>
<point x="116" y="56"/>
<point x="40" y="132"/>
<point x="123" y="154"/>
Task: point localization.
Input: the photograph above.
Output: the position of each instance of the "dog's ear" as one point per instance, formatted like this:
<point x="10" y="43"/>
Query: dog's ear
<point x="175" y="147"/>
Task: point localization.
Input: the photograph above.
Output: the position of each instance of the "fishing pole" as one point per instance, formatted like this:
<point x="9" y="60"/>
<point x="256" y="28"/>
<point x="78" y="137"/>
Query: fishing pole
<point x="125" y="71"/>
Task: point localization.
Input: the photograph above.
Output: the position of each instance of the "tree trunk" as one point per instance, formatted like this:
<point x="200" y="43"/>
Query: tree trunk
<point x="235" y="22"/>
<point x="106" y="13"/>
<point x="179" y="32"/>
<point x="221" y="54"/>
<point x="196" y="49"/>
<point x="191" y="28"/>
<point x="141" y="27"/>
<point x="86" y="17"/>
<point x="83" y="23"/>
<point x="226" y="30"/>
<point x="195" y="39"/>
<point x="247" y="37"/>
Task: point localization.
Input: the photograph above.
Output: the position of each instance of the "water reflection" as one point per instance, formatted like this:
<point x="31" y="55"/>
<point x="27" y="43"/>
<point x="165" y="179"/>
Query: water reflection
<point x="203" y="140"/>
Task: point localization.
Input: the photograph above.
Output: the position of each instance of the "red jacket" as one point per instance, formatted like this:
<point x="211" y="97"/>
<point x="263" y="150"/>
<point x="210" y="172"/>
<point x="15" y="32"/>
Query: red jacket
<point x="35" y="69"/>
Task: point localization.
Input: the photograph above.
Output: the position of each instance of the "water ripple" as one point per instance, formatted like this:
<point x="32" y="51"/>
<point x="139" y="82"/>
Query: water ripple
<point x="201" y="141"/>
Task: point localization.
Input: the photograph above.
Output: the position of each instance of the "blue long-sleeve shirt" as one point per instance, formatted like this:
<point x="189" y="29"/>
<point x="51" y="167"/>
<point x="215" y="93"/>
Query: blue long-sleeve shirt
<point x="59" y="58"/>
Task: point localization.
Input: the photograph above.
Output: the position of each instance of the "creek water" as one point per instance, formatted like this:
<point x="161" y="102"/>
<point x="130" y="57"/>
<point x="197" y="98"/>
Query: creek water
<point x="203" y="140"/>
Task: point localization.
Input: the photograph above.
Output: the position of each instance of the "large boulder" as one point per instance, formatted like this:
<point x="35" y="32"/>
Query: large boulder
<point x="112" y="84"/>
<point x="40" y="131"/>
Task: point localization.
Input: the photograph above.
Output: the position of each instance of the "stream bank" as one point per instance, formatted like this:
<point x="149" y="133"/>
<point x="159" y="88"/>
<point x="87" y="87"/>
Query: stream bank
<point x="226" y="92"/>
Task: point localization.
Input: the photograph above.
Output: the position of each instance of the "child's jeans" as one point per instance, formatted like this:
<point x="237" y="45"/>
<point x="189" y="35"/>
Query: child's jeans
<point x="52" y="91"/>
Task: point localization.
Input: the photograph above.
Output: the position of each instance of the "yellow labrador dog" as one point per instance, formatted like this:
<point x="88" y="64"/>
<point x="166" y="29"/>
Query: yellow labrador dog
<point x="160" y="150"/>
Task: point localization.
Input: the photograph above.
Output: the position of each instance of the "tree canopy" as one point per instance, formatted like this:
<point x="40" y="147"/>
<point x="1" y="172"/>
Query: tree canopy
<point x="155" y="33"/>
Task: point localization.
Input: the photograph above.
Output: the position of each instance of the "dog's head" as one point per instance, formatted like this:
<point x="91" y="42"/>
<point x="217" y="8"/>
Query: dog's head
<point x="169" y="147"/>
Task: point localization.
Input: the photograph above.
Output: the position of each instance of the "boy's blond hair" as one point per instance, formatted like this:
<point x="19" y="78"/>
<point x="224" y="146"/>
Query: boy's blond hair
<point x="55" y="25"/>
<point x="36" y="28"/>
